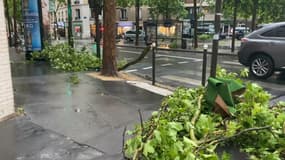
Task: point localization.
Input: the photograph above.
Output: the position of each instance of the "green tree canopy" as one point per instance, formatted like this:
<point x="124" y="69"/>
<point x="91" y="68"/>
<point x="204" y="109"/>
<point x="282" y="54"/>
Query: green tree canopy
<point x="268" y="11"/>
<point x="165" y="8"/>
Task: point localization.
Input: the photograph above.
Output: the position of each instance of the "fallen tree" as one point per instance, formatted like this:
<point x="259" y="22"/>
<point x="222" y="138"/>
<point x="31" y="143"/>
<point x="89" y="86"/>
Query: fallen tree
<point x="185" y="127"/>
<point x="141" y="57"/>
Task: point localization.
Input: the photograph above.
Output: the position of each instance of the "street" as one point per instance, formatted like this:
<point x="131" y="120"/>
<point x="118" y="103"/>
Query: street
<point x="185" y="69"/>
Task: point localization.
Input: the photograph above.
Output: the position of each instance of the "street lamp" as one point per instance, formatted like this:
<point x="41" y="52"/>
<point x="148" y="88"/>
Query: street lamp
<point x="151" y="40"/>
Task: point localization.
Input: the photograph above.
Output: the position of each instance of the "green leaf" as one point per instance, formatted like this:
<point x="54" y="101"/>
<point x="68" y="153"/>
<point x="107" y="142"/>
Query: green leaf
<point x="157" y="135"/>
<point x="148" y="148"/>
<point x="189" y="142"/>
<point x="175" y="125"/>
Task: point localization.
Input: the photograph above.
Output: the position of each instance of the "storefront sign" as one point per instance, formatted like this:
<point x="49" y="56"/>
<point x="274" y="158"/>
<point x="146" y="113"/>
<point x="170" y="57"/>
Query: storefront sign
<point x="125" y="24"/>
<point x="33" y="41"/>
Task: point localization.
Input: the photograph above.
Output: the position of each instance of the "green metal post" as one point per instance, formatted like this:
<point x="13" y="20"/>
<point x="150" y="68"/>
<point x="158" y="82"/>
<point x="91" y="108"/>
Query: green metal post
<point x="70" y="36"/>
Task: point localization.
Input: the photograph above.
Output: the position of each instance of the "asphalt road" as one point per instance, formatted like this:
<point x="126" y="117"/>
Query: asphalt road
<point x="185" y="69"/>
<point x="174" y="68"/>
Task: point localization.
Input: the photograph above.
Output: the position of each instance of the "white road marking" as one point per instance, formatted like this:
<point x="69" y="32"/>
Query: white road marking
<point x="132" y="70"/>
<point x="231" y="63"/>
<point x="167" y="64"/>
<point x="198" y="60"/>
<point x="178" y="57"/>
<point x="183" y="62"/>
<point x="169" y="56"/>
<point x="183" y="80"/>
<point x="147" y="68"/>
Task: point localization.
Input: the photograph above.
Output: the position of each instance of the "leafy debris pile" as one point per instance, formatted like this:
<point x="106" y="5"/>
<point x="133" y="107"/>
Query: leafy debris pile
<point x="185" y="128"/>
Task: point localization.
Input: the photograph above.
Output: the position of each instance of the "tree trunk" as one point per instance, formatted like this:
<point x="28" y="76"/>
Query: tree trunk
<point x="109" y="55"/>
<point x="8" y="20"/>
<point x="195" y="24"/>
<point x="15" y="23"/>
<point x="254" y="15"/>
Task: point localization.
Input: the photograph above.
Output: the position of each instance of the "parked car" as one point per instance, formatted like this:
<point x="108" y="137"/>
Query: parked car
<point x="131" y="35"/>
<point x="263" y="50"/>
<point x="239" y="34"/>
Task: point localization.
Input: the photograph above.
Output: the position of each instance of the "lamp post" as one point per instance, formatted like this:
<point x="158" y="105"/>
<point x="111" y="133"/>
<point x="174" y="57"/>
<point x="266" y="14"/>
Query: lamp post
<point x="151" y="40"/>
<point x="96" y="6"/>
<point x="214" y="60"/>
<point x="204" y="69"/>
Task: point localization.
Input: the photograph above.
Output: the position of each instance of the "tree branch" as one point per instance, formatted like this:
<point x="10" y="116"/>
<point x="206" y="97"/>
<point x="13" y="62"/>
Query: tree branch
<point x="194" y="120"/>
<point x="143" y="54"/>
<point x="222" y="139"/>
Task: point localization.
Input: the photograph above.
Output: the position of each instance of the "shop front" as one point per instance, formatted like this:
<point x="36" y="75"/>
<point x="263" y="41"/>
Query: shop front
<point x="124" y="26"/>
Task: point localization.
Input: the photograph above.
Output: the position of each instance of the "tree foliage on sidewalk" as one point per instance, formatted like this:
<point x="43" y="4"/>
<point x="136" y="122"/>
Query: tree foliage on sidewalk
<point x="186" y="128"/>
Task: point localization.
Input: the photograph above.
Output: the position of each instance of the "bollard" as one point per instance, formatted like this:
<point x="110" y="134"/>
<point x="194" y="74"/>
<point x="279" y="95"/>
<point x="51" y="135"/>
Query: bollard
<point x="153" y="46"/>
<point x="204" y="69"/>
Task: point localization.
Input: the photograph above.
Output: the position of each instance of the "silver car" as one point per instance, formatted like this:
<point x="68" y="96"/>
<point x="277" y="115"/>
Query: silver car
<point x="264" y="50"/>
<point x="131" y="35"/>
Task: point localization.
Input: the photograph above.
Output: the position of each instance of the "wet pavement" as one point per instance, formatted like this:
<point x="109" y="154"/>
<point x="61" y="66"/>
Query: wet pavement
<point x="24" y="140"/>
<point x="65" y="121"/>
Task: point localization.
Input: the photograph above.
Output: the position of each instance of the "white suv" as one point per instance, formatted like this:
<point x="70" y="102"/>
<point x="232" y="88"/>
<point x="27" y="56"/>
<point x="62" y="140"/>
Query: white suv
<point x="131" y="35"/>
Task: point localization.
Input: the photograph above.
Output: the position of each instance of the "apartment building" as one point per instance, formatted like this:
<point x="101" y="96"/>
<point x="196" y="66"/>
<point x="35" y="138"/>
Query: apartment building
<point x="6" y="89"/>
<point x="80" y="19"/>
<point x="126" y="18"/>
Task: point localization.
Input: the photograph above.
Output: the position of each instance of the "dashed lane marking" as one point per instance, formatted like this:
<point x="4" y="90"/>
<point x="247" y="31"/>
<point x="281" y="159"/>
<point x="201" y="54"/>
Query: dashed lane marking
<point x="169" y="56"/>
<point x="183" y="80"/>
<point x="183" y="62"/>
<point x="132" y="70"/>
<point x="178" y="57"/>
<point x="146" y="68"/>
<point x="167" y="64"/>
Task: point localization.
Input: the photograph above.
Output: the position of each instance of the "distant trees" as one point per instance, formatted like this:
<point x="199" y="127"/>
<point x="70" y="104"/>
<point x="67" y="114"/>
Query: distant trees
<point x="260" y="11"/>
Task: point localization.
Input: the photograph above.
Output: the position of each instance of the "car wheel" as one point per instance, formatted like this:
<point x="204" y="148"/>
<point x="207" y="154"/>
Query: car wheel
<point x="261" y="66"/>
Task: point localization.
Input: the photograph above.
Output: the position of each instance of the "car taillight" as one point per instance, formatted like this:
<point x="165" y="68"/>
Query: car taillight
<point x="244" y="40"/>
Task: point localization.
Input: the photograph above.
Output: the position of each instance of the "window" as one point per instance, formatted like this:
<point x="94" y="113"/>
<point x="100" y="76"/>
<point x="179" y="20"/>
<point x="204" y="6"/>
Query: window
<point x="123" y="14"/>
<point x="77" y="14"/>
<point x="280" y="32"/>
<point x="277" y="32"/>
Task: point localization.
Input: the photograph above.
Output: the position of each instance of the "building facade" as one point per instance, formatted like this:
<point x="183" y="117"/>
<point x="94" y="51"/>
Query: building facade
<point x="126" y="18"/>
<point x="80" y="19"/>
<point x="6" y="89"/>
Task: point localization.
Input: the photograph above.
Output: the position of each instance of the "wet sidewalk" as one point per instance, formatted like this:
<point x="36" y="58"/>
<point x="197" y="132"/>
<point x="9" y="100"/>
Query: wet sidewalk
<point x="71" y="122"/>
